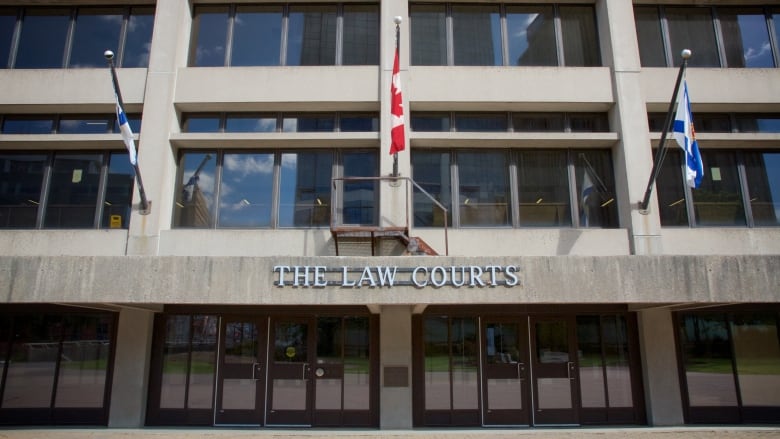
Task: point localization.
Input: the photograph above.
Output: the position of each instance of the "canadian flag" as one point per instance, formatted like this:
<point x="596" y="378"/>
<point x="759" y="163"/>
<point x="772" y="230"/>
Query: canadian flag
<point x="397" y="110"/>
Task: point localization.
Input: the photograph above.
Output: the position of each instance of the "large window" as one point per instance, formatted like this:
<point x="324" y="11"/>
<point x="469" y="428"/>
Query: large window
<point x="279" y="122"/>
<point x="721" y="36"/>
<point x="553" y="188"/>
<point x="729" y="362"/>
<point x="52" y="38"/>
<point x="285" y="35"/>
<point x="270" y="189"/>
<point x="56" y="367"/>
<point x="504" y="35"/>
<point x="65" y="190"/>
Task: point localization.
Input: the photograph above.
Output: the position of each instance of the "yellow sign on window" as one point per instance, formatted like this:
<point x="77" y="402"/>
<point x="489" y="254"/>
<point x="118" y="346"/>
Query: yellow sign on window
<point x="116" y="222"/>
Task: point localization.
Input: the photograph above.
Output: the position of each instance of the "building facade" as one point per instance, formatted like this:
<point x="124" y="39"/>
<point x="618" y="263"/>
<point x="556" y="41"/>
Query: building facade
<point x="283" y="276"/>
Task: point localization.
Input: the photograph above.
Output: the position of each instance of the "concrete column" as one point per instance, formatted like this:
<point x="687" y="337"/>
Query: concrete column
<point x="659" y="365"/>
<point x="156" y="158"/>
<point x="633" y="154"/>
<point x="131" y="369"/>
<point x="395" y="393"/>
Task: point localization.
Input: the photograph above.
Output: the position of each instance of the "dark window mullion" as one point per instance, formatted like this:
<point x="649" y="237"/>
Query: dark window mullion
<point x="603" y="349"/>
<point x="123" y="37"/>
<point x="665" y="38"/>
<point x="276" y="189"/>
<point x="69" y="38"/>
<point x="450" y="36"/>
<point x="189" y="364"/>
<point x="218" y="186"/>
<point x="558" y="35"/>
<point x="229" y="38"/>
<point x="285" y="35"/>
<point x="728" y="320"/>
<point x="770" y="25"/>
<point x="455" y="189"/>
<point x="514" y="188"/>
<point x="57" y="364"/>
<point x="719" y="43"/>
<point x="101" y="195"/>
<point x="15" y="39"/>
<point x="743" y="186"/>
<point x="504" y="39"/>
<point x="339" y="34"/>
<point x="44" y="200"/>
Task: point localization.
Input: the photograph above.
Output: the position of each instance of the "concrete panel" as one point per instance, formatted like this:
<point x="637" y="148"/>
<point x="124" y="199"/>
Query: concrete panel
<point x="715" y="89"/>
<point x="184" y="242"/>
<point x="277" y="88"/>
<point x="253" y="280"/>
<point x="131" y="373"/>
<point x="509" y="89"/>
<point x="720" y="241"/>
<point x="63" y="242"/>
<point x="69" y="90"/>
<point x="396" y="351"/>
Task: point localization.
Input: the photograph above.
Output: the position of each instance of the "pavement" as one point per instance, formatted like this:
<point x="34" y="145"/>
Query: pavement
<point x="740" y="432"/>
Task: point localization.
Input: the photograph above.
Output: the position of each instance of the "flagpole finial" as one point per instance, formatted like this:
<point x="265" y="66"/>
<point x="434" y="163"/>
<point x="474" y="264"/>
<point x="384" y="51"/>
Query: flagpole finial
<point x="397" y="19"/>
<point x="109" y="55"/>
<point x="686" y="53"/>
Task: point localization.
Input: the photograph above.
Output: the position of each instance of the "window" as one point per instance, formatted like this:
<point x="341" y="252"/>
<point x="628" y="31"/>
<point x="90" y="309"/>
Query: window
<point x="52" y="38"/>
<point x="65" y="124"/>
<point x="500" y="35"/>
<point x="65" y="190"/>
<point x="285" y="35"/>
<point x="545" y="183"/>
<point x="718" y="36"/>
<point x="273" y="189"/>
<point x="279" y="122"/>
<point x="518" y="122"/>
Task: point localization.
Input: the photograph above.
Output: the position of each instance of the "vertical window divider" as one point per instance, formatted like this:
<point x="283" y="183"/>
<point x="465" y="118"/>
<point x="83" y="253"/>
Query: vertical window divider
<point x="220" y="153"/>
<point x="743" y="184"/>
<point x="573" y="198"/>
<point x="665" y="38"/>
<point x="724" y="62"/>
<point x="15" y="38"/>
<point x="455" y="189"/>
<point x="57" y="364"/>
<point x="44" y="200"/>
<point x="284" y="37"/>
<point x="504" y="35"/>
<point x="514" y="188"/>
<point x="558" y="34"/>
<point x="69" y="38"/>
<point x="276" y="187"/>
<point x="101" y="193"/>
<point x="729" y="321"/>
<point x="123" y="36"/>
<point x="773" y="42"/>
<point x="339" y="34"/>
<point x="229" y="38"/>
<point x="450" y="35"/>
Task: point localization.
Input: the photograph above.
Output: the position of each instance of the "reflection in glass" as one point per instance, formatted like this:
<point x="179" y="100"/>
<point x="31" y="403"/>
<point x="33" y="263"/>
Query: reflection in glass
<point x="718" y="200"/>
<point x="356" y="363"/>
<point x="554" y="393"/>
<point x="195" y="192"/>
<point x="68" y="125"/>
<point x="311" y="35"/>
<point x="531" y="38"/>
<point x="257" y="36"/>
<point x="648" y="34"/>
<point x="361" y="35"/>
<point x="201" y="124"/>
<point x="528" y="122"/>
<point x="330" y="351"/>
<point x="95" y="30"/>
<point x="476" y="32"/>
<point x="590" y="362"/>
<point x="428" y="35"/>
<point x="596" y="189"/>
<point x="309" y="123"/>
<point x="580" y="38"/>
<point x="692" y="28"/>
<point x="465" y="379"/>
<point x="589" y="122"/>
<point x="745" y="37"/>
<point x="84" y="361"/>
<point x="671" y="192"/>
<point x="757" y="355"/>
<point x="240" y="343"/>
<point x="763" y="178"/>
<point x="73" y="191"/>
<point x="504" y="375"/>
<point x="203" y="360"/>
<point x="42" y="39"/>
<point x="119" y="191"/>
<point x="359" y="205"/>
<point x="434" y="122"/>
<point x="706" y="349"/>
<point x="758" y="123"/>
<point x="484" y="196"/>
<point x="437" y="363"/>
<point x="238" y="394"/>
<point x="289" y="394"/>
<point x="32" y="364"/>
<point x="617" y="361"/>
<point x="210" y="26"/>
<point x="480" y="122"/>
<point x="21" y="182"/>
<point x="552" y="342"/>
<point x="27" y="126"/>
<point x="431" y="170"/>
<point x="175" y="361"/>
<point x="291" y="345"/>
<point x="543" y="189"/>
<point x="139" y="38"/>
<point x="358" y="123"/>
<point x="246" y="190"/>
<point x="7" y="27"/>
<point x="304" y="191"/>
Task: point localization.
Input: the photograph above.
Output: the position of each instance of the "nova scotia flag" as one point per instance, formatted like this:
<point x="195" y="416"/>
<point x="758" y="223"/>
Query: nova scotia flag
<point x="127" y="133"/>
<point x="685" y="135"/>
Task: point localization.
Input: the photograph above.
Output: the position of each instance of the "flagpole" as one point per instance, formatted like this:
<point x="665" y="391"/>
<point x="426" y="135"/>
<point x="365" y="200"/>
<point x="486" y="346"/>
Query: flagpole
<point x="660" y="155"/>
<point x="145" y="207"/>
<point x="397" y="21"/>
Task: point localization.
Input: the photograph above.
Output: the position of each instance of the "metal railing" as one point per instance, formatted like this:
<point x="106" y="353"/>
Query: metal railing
<point x="337" y="203"/>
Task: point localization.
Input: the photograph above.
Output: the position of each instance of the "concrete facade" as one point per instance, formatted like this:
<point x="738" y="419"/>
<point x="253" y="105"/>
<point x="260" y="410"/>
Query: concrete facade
<point x="650" y="269"/>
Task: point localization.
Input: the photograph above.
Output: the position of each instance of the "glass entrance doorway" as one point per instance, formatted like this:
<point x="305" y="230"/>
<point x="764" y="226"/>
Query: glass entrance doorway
<point x="241" y="372"/>
<point x="525" y="370"/>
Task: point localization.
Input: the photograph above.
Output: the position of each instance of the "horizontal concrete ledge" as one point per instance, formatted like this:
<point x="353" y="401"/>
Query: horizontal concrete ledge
<point x="254" y="280"/>
<point x="605" y="433"/>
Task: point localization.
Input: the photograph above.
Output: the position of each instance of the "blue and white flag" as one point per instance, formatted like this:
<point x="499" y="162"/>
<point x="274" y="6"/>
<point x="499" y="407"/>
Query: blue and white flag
<point x="685" y="135"/>
<point x="127" y="133"/>
<point x="586" y="191"/>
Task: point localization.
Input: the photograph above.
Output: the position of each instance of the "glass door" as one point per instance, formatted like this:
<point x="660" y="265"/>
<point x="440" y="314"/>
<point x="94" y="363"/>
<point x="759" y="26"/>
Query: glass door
<point x="290" y="375"/>
<point x="554" y="363"/>
<point x="506" y="396"/>
<point x="241" y="371"/>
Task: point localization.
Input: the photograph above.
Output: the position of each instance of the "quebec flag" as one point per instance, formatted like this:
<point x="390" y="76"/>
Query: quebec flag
<point x="127" y="133"/>
<point x="685" y="135"/>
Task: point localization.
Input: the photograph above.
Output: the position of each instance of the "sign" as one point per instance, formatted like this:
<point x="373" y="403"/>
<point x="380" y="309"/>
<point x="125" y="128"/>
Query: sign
<point x="473" y="276"/>
<point x="290" y="352"/>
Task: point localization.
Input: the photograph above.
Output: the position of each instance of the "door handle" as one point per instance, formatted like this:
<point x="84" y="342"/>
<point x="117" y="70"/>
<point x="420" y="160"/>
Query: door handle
<point x="304" y="369"/>
<point x="520" y="371"/>
<point x="255" y="368"/>
<point x="570" y="369"/>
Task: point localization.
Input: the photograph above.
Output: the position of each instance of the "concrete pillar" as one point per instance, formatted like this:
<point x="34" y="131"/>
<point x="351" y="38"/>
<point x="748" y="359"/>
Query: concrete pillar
<point x="131" y="369"/>
<point x="633" y="154"/>
<point x="155" y="156"/>
<point x="659" y="365"/>
<point x="395" y="393"/>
